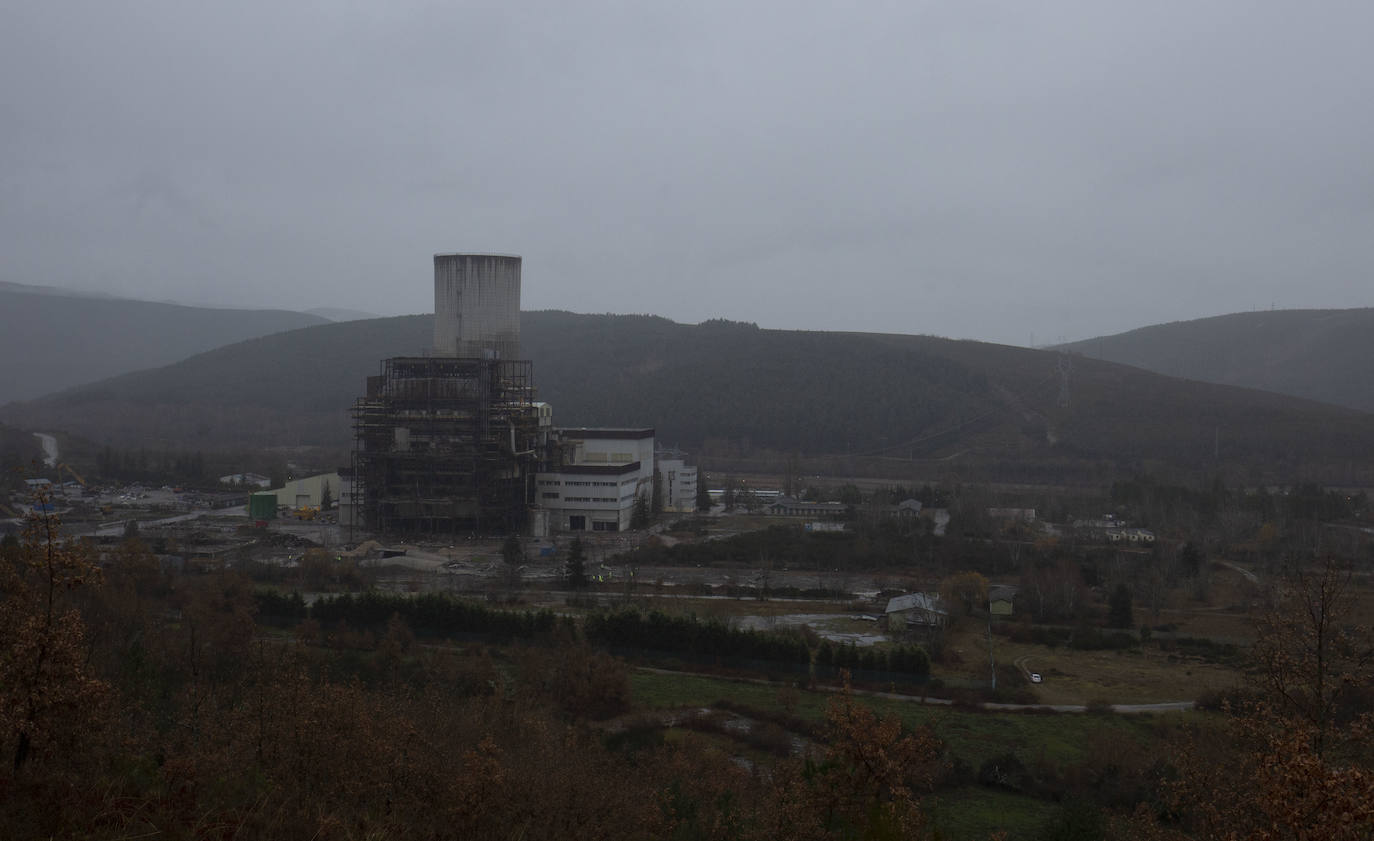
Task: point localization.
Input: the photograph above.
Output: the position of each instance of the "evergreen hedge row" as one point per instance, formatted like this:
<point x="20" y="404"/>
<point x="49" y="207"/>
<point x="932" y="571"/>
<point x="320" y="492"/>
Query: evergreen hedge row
<point x="432" y="614"/>
<point x="907" y="660"/>
<point x="440" y="615"/>
<point x="691" y="637"/>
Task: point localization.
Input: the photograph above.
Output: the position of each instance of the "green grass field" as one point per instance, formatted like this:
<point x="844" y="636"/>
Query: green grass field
<point x="973" y="736"/>
<point x="1040" y="741"/>
<point x="977" y="812"/>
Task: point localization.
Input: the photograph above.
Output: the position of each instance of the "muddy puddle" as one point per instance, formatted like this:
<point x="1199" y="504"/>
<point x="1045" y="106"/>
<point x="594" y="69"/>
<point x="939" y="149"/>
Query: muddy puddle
<point x="859" y="629"/>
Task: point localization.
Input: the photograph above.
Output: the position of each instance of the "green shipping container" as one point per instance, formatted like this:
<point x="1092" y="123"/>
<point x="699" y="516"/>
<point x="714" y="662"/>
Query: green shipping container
<point x="262" y="506"/>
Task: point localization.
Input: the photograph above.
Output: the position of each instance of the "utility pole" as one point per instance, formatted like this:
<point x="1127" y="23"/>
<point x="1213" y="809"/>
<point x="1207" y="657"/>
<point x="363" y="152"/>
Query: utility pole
<point x="992" y="661"/>
<point x="1064" y="366"/>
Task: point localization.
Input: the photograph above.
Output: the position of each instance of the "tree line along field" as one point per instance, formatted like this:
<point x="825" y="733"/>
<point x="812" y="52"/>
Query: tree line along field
<point x="136" y="701"/>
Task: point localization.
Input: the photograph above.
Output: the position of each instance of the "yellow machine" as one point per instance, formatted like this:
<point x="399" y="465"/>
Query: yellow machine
<point x="306" y="512"/>
<point x="69" y="469"/>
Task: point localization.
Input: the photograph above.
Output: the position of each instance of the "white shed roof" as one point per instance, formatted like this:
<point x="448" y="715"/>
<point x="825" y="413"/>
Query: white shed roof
<point x="920" y="601"/>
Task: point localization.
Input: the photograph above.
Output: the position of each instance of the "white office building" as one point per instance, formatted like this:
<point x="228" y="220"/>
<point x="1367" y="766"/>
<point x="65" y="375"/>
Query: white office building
<point x="603" y="471"/>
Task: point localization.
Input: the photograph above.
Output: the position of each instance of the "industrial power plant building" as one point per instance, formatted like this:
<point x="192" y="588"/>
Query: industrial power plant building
<point x="454" y="443"/>
<point x="449" y="443"/>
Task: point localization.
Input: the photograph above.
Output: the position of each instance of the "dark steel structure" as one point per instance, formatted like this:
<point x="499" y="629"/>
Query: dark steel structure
<point x="447" y="445"/>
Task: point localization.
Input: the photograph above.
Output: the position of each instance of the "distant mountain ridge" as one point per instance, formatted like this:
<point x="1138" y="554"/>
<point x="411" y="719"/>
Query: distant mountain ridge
<point x="341" y="314"/>
<point x="56" y="291"/>
<point x="1325" y="355"/>
<point x="724" y="387"/>
<point x="53" y="339"/>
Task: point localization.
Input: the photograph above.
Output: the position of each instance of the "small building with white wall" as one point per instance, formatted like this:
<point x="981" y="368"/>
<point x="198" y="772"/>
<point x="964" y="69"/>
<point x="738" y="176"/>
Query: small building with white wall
<point x="256" y="480"/>
<point x="786" y="506"/>
<point x="916" y="610"/>
<point x="1001" y="600"/>
<point x="1023" y="515"/>
<point x="309" y="490"/>
<point x="679" y="481"/>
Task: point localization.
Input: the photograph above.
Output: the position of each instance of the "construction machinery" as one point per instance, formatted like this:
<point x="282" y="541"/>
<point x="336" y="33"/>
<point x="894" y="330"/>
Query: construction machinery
<point x="71" y="470"/>
<point x="306" y="512"/>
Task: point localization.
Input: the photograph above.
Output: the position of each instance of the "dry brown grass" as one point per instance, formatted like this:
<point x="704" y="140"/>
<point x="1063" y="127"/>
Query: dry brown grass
<point x="1221" y="625"/>
<point x="1077" y="677"/>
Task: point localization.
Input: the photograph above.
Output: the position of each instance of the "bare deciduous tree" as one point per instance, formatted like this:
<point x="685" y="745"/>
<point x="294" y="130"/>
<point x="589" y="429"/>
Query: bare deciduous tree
<point x="1313" y="663"/>
<point x="46" y="690"/>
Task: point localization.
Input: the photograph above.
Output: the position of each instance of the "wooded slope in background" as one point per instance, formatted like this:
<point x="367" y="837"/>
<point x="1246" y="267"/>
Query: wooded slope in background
<point x="725" y="385"/>
<point x="1317" y="354"/>
<point x="52" y="341"/>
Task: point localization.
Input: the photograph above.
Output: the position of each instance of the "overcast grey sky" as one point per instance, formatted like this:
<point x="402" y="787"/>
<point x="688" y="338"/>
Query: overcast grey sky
<point x="998" y="171"/>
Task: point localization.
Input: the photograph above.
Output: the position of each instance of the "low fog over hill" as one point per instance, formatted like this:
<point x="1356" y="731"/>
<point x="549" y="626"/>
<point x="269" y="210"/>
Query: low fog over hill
<point x="52" y="339"/>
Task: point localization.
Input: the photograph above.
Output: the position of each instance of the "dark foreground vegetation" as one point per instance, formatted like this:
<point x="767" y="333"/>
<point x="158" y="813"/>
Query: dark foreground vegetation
<point x="134" y="703"/>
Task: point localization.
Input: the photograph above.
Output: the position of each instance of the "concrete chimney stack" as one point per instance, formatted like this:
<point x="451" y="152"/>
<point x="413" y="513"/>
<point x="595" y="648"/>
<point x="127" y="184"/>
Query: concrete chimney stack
<point x="477" y="306"/>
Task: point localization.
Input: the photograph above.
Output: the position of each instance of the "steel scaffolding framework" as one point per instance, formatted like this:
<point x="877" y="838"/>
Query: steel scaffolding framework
<point x="447" y="446"/>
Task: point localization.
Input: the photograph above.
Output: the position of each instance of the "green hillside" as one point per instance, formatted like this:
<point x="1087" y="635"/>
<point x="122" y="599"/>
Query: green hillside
<point x="54" y="340"/>
<point x="733" y="389"/>
<point x="1317" y="354"/>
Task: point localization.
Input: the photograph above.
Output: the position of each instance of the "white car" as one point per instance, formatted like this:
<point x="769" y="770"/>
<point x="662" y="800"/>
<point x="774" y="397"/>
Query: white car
<point x="1036" y="678"/>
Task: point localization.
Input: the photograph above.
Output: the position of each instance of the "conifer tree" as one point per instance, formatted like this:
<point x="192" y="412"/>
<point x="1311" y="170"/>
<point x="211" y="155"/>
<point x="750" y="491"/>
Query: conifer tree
<point x="1119" y="614"/>
<point x="575" y="568"/>
<point x="703" y="493"/>
<point x="639" y="518"/>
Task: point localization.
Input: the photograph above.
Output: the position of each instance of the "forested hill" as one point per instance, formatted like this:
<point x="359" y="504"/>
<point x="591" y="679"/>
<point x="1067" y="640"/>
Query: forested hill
<point x="811" y="392"/>
<point x="19" y="452"/>
<point x="732" y="387"/>
<point x="51" y="339"/>
<point x="722" y="380"/>
<point x="1317" y="354"/>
